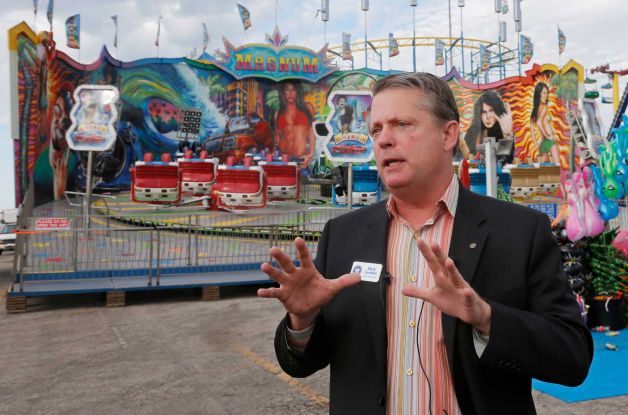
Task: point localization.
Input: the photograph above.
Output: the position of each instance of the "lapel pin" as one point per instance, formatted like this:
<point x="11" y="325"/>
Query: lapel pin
<point x="472" y="245"/>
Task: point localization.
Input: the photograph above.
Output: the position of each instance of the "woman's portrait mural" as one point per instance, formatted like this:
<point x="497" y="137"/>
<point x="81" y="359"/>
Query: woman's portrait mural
<point x="531" y="110"/>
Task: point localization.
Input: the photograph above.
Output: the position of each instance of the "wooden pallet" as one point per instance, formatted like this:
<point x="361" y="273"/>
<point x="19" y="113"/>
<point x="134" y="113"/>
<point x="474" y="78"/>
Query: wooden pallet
<point x="210" y="293"/>
<point x="116" y="298"/>
<point x="16" y="305"/>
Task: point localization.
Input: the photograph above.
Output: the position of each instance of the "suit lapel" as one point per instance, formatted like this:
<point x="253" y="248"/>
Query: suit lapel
<point x="374" y="294"/>
<point x="467" y="243"/>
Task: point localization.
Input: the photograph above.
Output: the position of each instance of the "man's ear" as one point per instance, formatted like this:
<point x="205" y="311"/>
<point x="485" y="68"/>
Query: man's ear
<point x="451" y="131"/>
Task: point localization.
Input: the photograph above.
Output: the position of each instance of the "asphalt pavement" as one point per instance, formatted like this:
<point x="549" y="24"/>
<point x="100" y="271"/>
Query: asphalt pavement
<point x="165" y="353"/>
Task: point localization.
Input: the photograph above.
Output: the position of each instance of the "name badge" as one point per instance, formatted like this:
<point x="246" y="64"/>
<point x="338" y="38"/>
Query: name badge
<point x="368" y="272"/>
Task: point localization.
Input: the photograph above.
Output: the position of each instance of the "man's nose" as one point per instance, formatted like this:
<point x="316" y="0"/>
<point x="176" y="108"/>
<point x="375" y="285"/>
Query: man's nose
<point x="385" y="138"/>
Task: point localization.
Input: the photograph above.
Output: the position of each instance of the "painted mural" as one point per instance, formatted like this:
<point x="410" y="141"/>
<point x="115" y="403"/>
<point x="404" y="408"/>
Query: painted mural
<point x="244" y="115"/>
<point x="531" y="110"/>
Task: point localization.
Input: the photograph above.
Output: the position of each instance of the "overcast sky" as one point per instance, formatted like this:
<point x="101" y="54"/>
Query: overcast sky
<point x="596" y="32"/>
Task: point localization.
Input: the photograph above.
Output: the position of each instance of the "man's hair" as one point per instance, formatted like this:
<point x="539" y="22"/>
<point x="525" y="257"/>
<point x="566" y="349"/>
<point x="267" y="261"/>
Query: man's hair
<point x="438" y="95"/>
<point x="439" y="100"/>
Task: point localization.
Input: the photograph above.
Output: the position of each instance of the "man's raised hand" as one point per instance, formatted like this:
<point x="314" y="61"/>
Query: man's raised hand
<point x="451" y="293"/>
<point x="302" y="290"/>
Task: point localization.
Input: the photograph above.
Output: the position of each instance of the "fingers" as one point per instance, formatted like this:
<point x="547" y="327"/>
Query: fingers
<point x="268" y="292"/>
<point x="285" y="262"/>
<point x="441" y="265"/>
<point x="439" y="254"/>
<point x="344" y="281"/>
<point x="432" y="256"/>
<point x="273" y="273"/>
<point x="411" y="290"/>
<point x="505" y="121"/>
<point x="282" y="259"/>
<point x="454" y="275"/>
<point x="303" y="253"/>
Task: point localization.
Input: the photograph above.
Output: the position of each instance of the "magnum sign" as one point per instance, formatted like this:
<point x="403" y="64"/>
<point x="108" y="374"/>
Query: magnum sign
<point x="274" y="62"/>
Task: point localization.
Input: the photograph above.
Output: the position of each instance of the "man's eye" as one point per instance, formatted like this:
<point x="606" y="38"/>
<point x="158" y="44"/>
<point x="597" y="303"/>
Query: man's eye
<point x="375" y="132"/>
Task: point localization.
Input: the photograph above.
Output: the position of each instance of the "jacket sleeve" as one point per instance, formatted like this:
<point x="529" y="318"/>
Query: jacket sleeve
<point x="547" y="340"/>
<point x="316" y="354"/>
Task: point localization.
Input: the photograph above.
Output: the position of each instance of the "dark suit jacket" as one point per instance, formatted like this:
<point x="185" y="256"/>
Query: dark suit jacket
<point x="536" y="327"/>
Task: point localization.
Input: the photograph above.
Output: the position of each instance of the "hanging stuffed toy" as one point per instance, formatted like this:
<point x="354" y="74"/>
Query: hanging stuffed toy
<point x="583" y="219"/>
<point x="621" y="152"/>
<point x="607" y="208"/>
<point x="594" y="225"/>
<point x="609" y="164"/>
<point x="575" y="226"/>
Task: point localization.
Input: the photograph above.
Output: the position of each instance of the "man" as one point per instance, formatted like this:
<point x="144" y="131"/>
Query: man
<point x="341" y="103"/>
<point x="435" y="334"/>
<point x="59" y="152"/>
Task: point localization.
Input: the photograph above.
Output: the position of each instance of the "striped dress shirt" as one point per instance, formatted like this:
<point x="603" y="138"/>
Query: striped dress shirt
<point x="418" y="374"/>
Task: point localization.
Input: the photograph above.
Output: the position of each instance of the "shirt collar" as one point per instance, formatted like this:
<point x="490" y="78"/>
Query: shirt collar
<point x="448" y="200"/>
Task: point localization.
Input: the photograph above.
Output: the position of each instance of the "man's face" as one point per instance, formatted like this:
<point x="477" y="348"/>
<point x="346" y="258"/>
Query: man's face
<point x="59" y="124"/>
<point x="410" y="145"/>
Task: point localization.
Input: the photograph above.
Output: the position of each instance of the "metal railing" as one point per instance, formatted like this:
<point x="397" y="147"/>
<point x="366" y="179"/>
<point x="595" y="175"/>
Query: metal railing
<point x="154" y="245"/>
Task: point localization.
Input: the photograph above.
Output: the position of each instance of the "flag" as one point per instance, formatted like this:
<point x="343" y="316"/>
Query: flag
<point x="51" y="6"/>
<point x="115" y="36"/>
<point x="205" y="37"/>
<point x="346" y="47"/>
<point x="484" y="58"/>
<point x="439" y="53"/>
<point x="562" y="41"/>
<point x="527" y="50"/>
<point x="504" y="6"/>
<point x="245" y="16"/>
<point x="393" y="46"/>
<point x="73" y="31"/>
<point x="158" y="30"/>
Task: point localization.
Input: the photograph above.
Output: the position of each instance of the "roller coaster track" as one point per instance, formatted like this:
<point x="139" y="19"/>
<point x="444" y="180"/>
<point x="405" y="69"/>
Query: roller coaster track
<point x="507" y="55"/>
<point x="427" y="41"/>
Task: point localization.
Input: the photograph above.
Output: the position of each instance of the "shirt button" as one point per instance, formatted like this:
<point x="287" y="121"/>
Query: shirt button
<point x="417" y="235"/>
<point x="409" y="372"/>
<point x="413" y="278"/>
<point x="412" y="323"/>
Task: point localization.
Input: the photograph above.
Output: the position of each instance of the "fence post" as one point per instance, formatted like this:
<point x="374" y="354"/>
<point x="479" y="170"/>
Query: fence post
<point x="158" y="255"/>
<point x="150" y="258"/>
<point x="271" y="241"/>
<point x="74" y="245"/>
<point x="196" y="232"/>
<point x="22" y="259"/>
<point x="189" y="239"/>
